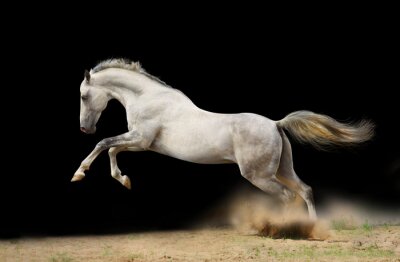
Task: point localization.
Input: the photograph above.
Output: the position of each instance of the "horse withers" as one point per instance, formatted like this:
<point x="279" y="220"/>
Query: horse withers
<point x="162" y="119"/>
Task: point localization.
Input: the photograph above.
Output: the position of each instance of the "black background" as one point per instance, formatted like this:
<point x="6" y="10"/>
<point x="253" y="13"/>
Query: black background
<point x="346" y="67"/>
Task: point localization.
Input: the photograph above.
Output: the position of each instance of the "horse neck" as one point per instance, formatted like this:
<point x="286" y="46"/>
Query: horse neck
<point x="127" y="86"/>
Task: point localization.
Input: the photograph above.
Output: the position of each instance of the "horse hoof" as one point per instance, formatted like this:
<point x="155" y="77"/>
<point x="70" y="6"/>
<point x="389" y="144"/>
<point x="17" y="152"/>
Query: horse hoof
<point x="77" y="177"/>
<point x="126" y="182"/>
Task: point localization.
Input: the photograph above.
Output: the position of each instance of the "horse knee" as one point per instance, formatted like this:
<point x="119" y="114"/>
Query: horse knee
<point x="112" y="151"/>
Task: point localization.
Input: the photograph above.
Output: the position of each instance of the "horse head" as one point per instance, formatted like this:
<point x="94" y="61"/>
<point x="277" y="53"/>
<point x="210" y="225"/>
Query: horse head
<point x="93" y="101"/>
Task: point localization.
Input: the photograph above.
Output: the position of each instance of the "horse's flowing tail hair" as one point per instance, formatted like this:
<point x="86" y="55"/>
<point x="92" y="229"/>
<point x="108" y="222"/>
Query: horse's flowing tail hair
<point x="323" y="132"/>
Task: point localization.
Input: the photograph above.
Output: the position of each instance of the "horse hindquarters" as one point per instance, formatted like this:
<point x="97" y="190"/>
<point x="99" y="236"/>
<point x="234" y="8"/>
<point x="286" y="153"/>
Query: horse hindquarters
<point x="257" y="147"/>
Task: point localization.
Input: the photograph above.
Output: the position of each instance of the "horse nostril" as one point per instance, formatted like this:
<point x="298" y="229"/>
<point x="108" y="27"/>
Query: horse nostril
<point x="83" y="129"/>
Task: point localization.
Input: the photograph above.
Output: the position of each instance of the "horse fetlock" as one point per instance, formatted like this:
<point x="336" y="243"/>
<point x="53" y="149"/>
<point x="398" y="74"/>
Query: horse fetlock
<point x="116" y="174"/>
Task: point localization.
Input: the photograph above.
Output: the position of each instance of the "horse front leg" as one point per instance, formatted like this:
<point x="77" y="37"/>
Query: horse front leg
<point x="115" y="171"/>
<point x="130" y="139"/>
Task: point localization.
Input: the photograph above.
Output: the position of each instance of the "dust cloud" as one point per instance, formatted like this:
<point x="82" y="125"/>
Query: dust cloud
<point x="250" y="211"/>
<point x="354" y="213"/>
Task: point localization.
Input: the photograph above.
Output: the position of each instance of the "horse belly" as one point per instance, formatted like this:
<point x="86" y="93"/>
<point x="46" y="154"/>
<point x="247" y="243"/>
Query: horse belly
<point x="197" y="147"/>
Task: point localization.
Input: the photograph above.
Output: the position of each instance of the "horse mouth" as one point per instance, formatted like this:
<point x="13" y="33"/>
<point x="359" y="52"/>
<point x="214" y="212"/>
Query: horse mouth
<point x="88" y="131"/>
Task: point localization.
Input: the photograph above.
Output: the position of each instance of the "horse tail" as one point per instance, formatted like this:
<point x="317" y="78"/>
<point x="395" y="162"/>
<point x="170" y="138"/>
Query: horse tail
<point x="323" y="132"/>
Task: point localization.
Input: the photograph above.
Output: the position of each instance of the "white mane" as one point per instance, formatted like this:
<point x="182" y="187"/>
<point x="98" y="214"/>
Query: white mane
<point x="126" y="64"/>
<point x="118" y="63"/>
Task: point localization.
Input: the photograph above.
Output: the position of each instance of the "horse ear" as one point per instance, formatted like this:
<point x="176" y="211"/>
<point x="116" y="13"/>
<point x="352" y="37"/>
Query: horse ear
<point x="87" y="75"/>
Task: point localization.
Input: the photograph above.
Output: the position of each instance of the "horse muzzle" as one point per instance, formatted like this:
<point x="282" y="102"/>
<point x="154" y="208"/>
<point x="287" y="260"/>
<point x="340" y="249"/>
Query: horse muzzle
<point x="88" y="130"/>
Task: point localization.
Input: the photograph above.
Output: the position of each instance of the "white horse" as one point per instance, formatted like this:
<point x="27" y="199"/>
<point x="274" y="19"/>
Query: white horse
<point x="164" y="120"/>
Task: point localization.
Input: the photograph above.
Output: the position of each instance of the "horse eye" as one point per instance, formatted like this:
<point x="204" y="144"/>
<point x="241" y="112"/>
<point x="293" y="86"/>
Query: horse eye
<point x="84" y="97"/>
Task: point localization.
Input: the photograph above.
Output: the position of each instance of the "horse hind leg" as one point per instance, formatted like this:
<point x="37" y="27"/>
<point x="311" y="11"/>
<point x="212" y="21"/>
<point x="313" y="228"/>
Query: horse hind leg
<point x="292" y="181"/>
<point x="261" y="173"/>
<point x="272" y="186"/>
<point x="287" y="176"/>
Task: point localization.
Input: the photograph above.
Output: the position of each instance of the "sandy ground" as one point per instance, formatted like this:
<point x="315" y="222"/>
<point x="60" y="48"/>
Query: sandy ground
<point x="218" y="244"/>
<point x="254" y="231"/>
